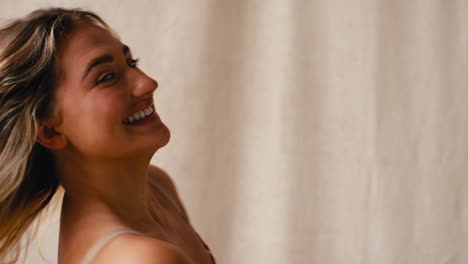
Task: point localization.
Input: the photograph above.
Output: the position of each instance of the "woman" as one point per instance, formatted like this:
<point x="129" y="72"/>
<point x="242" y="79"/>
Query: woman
<point x="77" y="112"/>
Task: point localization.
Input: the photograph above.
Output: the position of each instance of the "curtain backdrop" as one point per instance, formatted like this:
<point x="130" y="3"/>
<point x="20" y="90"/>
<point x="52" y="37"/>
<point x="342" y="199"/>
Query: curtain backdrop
<point x="320" y="131"/>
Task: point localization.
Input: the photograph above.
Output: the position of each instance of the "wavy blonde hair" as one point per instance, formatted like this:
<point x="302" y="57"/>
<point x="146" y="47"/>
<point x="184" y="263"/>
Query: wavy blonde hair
<point x="28" y="76"/>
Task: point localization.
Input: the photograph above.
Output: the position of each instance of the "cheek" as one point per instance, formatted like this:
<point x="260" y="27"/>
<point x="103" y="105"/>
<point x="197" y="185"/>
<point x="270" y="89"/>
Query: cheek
<point x="96" y="119"/>
<point x="105" y="108"/>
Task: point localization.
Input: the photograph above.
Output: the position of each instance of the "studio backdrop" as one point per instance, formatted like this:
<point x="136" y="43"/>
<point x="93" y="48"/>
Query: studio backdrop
<point x="306" y="131"/>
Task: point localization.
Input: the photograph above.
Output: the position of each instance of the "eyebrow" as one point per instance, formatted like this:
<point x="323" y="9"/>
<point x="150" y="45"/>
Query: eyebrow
<point x="101" y="60"/>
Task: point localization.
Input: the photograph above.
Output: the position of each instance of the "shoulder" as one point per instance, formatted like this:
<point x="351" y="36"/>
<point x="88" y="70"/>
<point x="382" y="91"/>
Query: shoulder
<point x="133" y="248"/>
<point x="159" y="175"/>
<point x="162" y="177"/>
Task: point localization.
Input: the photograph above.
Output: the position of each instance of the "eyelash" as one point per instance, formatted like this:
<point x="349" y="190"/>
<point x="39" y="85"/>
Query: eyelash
<point x="133" y="61"/>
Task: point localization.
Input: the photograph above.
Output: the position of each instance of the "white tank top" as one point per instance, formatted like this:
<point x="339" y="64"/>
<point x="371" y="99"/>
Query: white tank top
<point x="103" y="241"/>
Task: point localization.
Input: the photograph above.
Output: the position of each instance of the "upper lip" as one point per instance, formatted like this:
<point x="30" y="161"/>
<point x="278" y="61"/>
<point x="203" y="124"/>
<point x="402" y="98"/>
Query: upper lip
<point x="140" y="107"/>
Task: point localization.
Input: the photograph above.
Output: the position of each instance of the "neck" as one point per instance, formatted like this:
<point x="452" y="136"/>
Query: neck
<point x="118" y="186"/>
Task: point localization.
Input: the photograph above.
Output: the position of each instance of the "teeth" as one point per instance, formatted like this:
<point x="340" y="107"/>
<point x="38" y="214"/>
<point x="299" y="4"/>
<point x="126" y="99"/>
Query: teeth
<point x="140" y="115"/>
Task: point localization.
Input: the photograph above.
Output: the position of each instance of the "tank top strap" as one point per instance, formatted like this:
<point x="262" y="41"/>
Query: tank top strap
<point x="168" y="196"/>
<point x="102" y="242"/>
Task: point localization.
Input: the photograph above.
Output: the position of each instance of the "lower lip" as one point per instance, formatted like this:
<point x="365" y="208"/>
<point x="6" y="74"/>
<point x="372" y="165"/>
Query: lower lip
<point x="153" y="116"/>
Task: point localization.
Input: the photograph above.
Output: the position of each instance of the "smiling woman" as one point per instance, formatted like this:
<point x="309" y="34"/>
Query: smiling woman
<point x="76" y="112"/>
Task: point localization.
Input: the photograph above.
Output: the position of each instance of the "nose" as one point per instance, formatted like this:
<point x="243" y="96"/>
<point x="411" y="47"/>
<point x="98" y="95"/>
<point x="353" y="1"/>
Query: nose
<point x="144" y="86"/>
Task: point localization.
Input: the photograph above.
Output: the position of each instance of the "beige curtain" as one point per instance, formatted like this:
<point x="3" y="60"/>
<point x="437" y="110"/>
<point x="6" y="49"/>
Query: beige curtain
<point x="320" y="131"/>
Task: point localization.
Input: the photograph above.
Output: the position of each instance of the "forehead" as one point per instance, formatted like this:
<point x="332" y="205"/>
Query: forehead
<point x="84" y="43"/>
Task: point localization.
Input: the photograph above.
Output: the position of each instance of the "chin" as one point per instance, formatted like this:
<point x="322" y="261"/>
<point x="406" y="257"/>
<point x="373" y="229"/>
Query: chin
<point x="163" y="139"/>
<point x="146" y="145"/>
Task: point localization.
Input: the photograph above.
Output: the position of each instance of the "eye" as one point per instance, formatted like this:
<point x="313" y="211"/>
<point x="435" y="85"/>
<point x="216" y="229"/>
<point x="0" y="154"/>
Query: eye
<point x="106" y="78"/>
<point x="132" y="63"/>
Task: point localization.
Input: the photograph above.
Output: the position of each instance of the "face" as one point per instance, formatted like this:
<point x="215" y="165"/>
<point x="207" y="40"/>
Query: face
<point x="99" y="92"/>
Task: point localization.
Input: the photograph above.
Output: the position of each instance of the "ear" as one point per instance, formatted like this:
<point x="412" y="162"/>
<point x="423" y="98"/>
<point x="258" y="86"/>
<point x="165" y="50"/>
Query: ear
<point x="49" y="136"/>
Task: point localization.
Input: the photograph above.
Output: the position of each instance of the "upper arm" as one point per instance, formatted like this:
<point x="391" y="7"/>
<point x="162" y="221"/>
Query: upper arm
<point x="162" y="177"/>
<point x="131" y="248"/>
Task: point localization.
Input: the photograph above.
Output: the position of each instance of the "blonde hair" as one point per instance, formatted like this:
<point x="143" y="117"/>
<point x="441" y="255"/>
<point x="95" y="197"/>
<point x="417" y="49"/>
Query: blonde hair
<point x="28" y="76"/>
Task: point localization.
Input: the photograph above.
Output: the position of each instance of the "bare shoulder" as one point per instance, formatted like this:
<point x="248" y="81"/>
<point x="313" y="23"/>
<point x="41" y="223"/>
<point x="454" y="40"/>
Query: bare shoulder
<point x="162" y="177"/>
<point x="133" y="248"/>
<point x="159" y="175"/>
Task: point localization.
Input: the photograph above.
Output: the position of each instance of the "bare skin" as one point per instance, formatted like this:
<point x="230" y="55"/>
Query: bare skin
<point x="104" y="163"/>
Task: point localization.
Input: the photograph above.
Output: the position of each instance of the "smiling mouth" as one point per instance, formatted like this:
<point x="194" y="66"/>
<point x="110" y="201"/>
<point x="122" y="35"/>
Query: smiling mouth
<point x="140" y="115"/>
